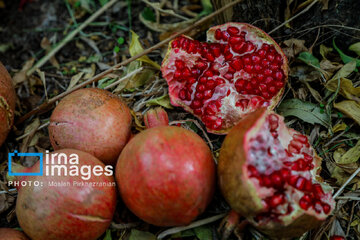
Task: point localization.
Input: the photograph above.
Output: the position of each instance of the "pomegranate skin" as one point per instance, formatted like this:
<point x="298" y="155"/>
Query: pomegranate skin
<point x="12" y="234"/>
<point x="7" y="103"/>
<point x="72" y="212"/>
<point x="91" y="120"/>
<point x="242" y="196"/>
<point x="175" y="176"/>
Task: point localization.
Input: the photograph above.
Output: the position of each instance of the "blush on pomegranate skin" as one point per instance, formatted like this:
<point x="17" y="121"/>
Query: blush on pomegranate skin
<point x="175" y="173"/>
<point x="91" y="120"/>
<point x="7" y="103"/>
<point x="269" y="174"/>
<point x="238" y="70"/>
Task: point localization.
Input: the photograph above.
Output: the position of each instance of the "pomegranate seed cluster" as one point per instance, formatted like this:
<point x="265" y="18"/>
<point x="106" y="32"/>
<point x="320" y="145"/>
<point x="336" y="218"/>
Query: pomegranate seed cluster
<point x="284" y="173"/>
<point x="239" y="72"/>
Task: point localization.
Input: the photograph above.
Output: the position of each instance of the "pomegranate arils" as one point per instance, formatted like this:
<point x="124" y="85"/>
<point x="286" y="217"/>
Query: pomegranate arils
<point x="233" y="31"/>
<point x="282" y="171"/>
<point x="240" y="59"/>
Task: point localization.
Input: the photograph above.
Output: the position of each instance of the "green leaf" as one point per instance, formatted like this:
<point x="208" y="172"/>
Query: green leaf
<point x="163" y="101"/>
<point x="309" y="59"/>
<point x="108" y="235"/>
<point x="140" y="235"/>
<point x="203" y="233"/>
<point x="103" y="83"/>
<point x="207" y="8"/>
<point x="148" y="14"/>
<point x="306" y="111"/>
<point x="103" y="2"/>
<point x="186" y="233"/>
<point x="345" y="58"/>
<point x="120" y="40"/>
<point x="355" y="48"/>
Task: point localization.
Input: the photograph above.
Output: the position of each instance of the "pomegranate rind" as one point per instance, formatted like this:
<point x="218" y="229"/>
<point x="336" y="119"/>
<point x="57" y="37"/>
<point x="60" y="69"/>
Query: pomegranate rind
<point x="75" y="212"/>
<point x="235" y="118"/>
<point x="12" y="234"/>
<point x="91" y="120"/>
<point x="175" y="175"/>
<point x="7" y="103"/>
<point x="242" y="194"/>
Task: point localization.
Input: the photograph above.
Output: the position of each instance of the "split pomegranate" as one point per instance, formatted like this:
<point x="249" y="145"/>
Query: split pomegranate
<point x="65" y="206"/>
<point x="7" y="103"/>
<point x="12" y="234"/>
<point x="238" y="70"/>
<point x="166" y="174"/>
<point x="270" y="174"/>
<point x="91" y="120"/>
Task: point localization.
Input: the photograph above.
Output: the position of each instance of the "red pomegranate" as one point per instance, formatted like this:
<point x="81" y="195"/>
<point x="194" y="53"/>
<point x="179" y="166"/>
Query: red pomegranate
<point x="270" y="174"/>
<point x="238" y="70"/>
<point x="72" y="206"/>
<point x="7" y="103"/>
<point x="12" y="234"/>
<point x="91" y="120"/>
<point x="166" y="174"/>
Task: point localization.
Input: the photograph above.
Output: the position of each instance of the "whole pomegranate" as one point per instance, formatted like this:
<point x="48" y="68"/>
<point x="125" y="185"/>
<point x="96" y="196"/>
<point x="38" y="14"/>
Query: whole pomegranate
<point x="12" y="234"/>
<point x="65" y="206"/>
<point x="91" y="120"/>
<point x="270" y="174"/>
<point x="7" y="103"/>
<point x="166" y="174"/>
<point x="238" y="70"/>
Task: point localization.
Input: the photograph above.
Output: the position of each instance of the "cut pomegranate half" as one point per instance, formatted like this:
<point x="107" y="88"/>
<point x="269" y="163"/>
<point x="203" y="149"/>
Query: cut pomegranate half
<point x="239" y="70"/>
<point x="270" y="175"/>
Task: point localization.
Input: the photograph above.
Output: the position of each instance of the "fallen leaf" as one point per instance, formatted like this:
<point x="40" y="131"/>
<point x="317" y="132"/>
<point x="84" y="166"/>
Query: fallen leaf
<point x="306" y="111"/>
<point x="135" y="48"/>
<point x="349" y="108"/>
<point x="352" y="155"/>
<point x="346" y="88"/>
<point x="324" y="50"/>
<point x="46" y="45"/>
<point x="345" y="71"/>
<point x="21" y="77"/>
<point x="163" y="101"/>
<point x="43" y="80"/>
<point x="355" y="48"/>
<point x="140" y="235"/>
<point x="339" y="127"/>
<point x="294" y="47"/>
<point x="309" y="59"/>
<point x="75" y="79"/>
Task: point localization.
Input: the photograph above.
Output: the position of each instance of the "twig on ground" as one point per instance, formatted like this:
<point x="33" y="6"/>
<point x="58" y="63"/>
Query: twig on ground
<point x="28" y="133"/>
<point x="153" y="5"/>
<point x="124" y="78"/>
<point x="69" y="37"/>
<point x="127" y="61"/>
<point x="293" y="17"/>
<point x="346" y="183"/>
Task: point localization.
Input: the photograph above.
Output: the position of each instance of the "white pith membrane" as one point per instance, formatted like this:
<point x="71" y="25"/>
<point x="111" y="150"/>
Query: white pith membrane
<point x="239" y="84"/>
<point x="280" y="166"/>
